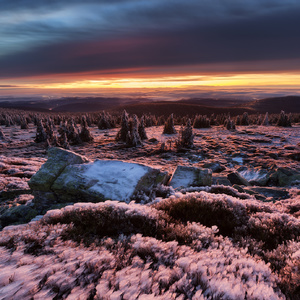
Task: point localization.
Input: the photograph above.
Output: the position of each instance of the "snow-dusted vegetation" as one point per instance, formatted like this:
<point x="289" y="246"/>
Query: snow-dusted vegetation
<point x="235" y="239"/>
<point x="172" y="248"/>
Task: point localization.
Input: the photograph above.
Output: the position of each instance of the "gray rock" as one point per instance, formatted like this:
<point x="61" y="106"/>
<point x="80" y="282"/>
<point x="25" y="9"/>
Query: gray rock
<point x="102" y="180"/>
<point x="58" y="160"/>
<point x="274" y="192"/>
<point x="221" y="180"/>
<point x="256" y="176"/>
<point x="236" y="178"/>
<point x="17" y="214"/>
<point x="190" y="176"/>
<point x="215" y="166"/>
<point x="284" y="177"/>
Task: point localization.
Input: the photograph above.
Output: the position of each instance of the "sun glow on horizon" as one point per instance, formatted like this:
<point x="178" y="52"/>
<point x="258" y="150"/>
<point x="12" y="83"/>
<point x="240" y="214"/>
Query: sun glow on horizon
<point x="180" y="82"/>
<point x="283" y="79"/>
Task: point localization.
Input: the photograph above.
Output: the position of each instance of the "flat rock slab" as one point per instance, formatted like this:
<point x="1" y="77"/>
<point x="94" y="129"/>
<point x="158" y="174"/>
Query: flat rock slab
<point x="190" y="176"/>
<point x="271" y="192"/>
<point x="102" y="180"/>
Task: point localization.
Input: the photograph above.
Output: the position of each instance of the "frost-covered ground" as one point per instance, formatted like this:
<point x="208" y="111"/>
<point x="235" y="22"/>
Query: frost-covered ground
<point x="218" y="243"/>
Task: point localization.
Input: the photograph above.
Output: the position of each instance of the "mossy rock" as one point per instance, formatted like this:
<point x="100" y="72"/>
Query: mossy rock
<point x="17" y="215"/>
<point x="189" y="176"/>
<point x="58" y="160"/>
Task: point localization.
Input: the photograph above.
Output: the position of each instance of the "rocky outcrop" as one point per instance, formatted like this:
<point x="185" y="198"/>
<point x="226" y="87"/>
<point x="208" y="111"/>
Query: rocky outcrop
<point x="58" y="160"/>
<point x="68" y="177"/>
<point x="101" y="180"/>
<point x="190" y="176"/>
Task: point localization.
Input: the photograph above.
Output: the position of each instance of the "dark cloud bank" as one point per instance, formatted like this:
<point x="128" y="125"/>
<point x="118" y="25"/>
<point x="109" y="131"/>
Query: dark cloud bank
<point x="159" y="35"/>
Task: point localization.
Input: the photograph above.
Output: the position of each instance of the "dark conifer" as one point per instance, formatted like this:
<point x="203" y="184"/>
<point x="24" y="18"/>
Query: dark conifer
<point x="169" y="126"/>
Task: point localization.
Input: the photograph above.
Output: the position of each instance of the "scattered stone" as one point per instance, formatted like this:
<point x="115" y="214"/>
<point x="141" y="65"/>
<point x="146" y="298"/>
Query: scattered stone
<point x="274" y="192"/>
<point x="294" y="156"/>
<point x="236" y="178"/>
<point x="17" y="215"/>
<point x="191" y="176"/>
<point x="216" y="167"/>
<point x="256" y="176"/>
<point x="221" y="180"/>
<point x="238" y="188"/>
<point x="284" y="176"/>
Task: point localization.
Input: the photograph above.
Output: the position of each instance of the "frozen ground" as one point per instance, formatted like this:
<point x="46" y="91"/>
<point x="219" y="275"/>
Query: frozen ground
<point x="238" y="248"/>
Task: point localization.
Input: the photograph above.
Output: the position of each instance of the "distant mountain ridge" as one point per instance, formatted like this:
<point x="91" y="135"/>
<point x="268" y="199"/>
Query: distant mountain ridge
<point x="139" y="106"/>
<point x="290" y="104"/>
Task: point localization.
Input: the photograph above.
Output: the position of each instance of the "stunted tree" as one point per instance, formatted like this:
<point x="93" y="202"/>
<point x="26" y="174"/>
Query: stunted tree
<point x="142" y="131"/>
<point x="265" y="121"/>
<point x="129" y="132"/>
<point x="186" y="138"/>
<point x="105" y="121"/>
<point x="284" y="120"/>
<point x="41" y="135"/>
<point x="169" y="126"/>
<point x="85" y="134"/>
<point x="201" y="122"/>
<point x="245" y="119"/>
<point x="2" y="136"/>
<point x="123" y="132"/>
<point x="229" y="124"/>
<point x="133" y="138"/>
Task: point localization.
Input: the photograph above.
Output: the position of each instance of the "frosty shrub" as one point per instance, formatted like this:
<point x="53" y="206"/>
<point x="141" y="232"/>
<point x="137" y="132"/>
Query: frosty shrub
<point x="134" y="266"/>
<point x="273" y="228"/>
<point x="222" y="211"/>
<point x="169" y="127"/>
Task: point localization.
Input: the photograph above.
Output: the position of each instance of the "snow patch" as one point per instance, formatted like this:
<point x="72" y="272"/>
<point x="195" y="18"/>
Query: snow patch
<point x="116" y="179"/>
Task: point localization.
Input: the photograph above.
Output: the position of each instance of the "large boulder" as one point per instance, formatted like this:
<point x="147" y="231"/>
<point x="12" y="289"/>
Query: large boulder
<point x="190" y="176"/>
<point x="67" y="177"/>
<point x="106" y="179"/>
<point x="284" y="176"/>
<point x="58" y="160"/>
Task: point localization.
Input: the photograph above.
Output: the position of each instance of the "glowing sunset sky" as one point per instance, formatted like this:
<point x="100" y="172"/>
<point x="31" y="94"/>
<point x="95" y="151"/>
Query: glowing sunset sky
<point x="94" y="46"/>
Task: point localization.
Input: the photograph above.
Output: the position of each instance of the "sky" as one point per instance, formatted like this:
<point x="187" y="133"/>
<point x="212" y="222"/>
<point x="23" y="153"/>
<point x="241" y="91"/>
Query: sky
<point x="75" y="47"/>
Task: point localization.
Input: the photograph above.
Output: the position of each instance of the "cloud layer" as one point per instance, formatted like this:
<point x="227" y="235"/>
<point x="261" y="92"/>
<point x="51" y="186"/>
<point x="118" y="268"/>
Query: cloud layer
<point x="58" y="37"/>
